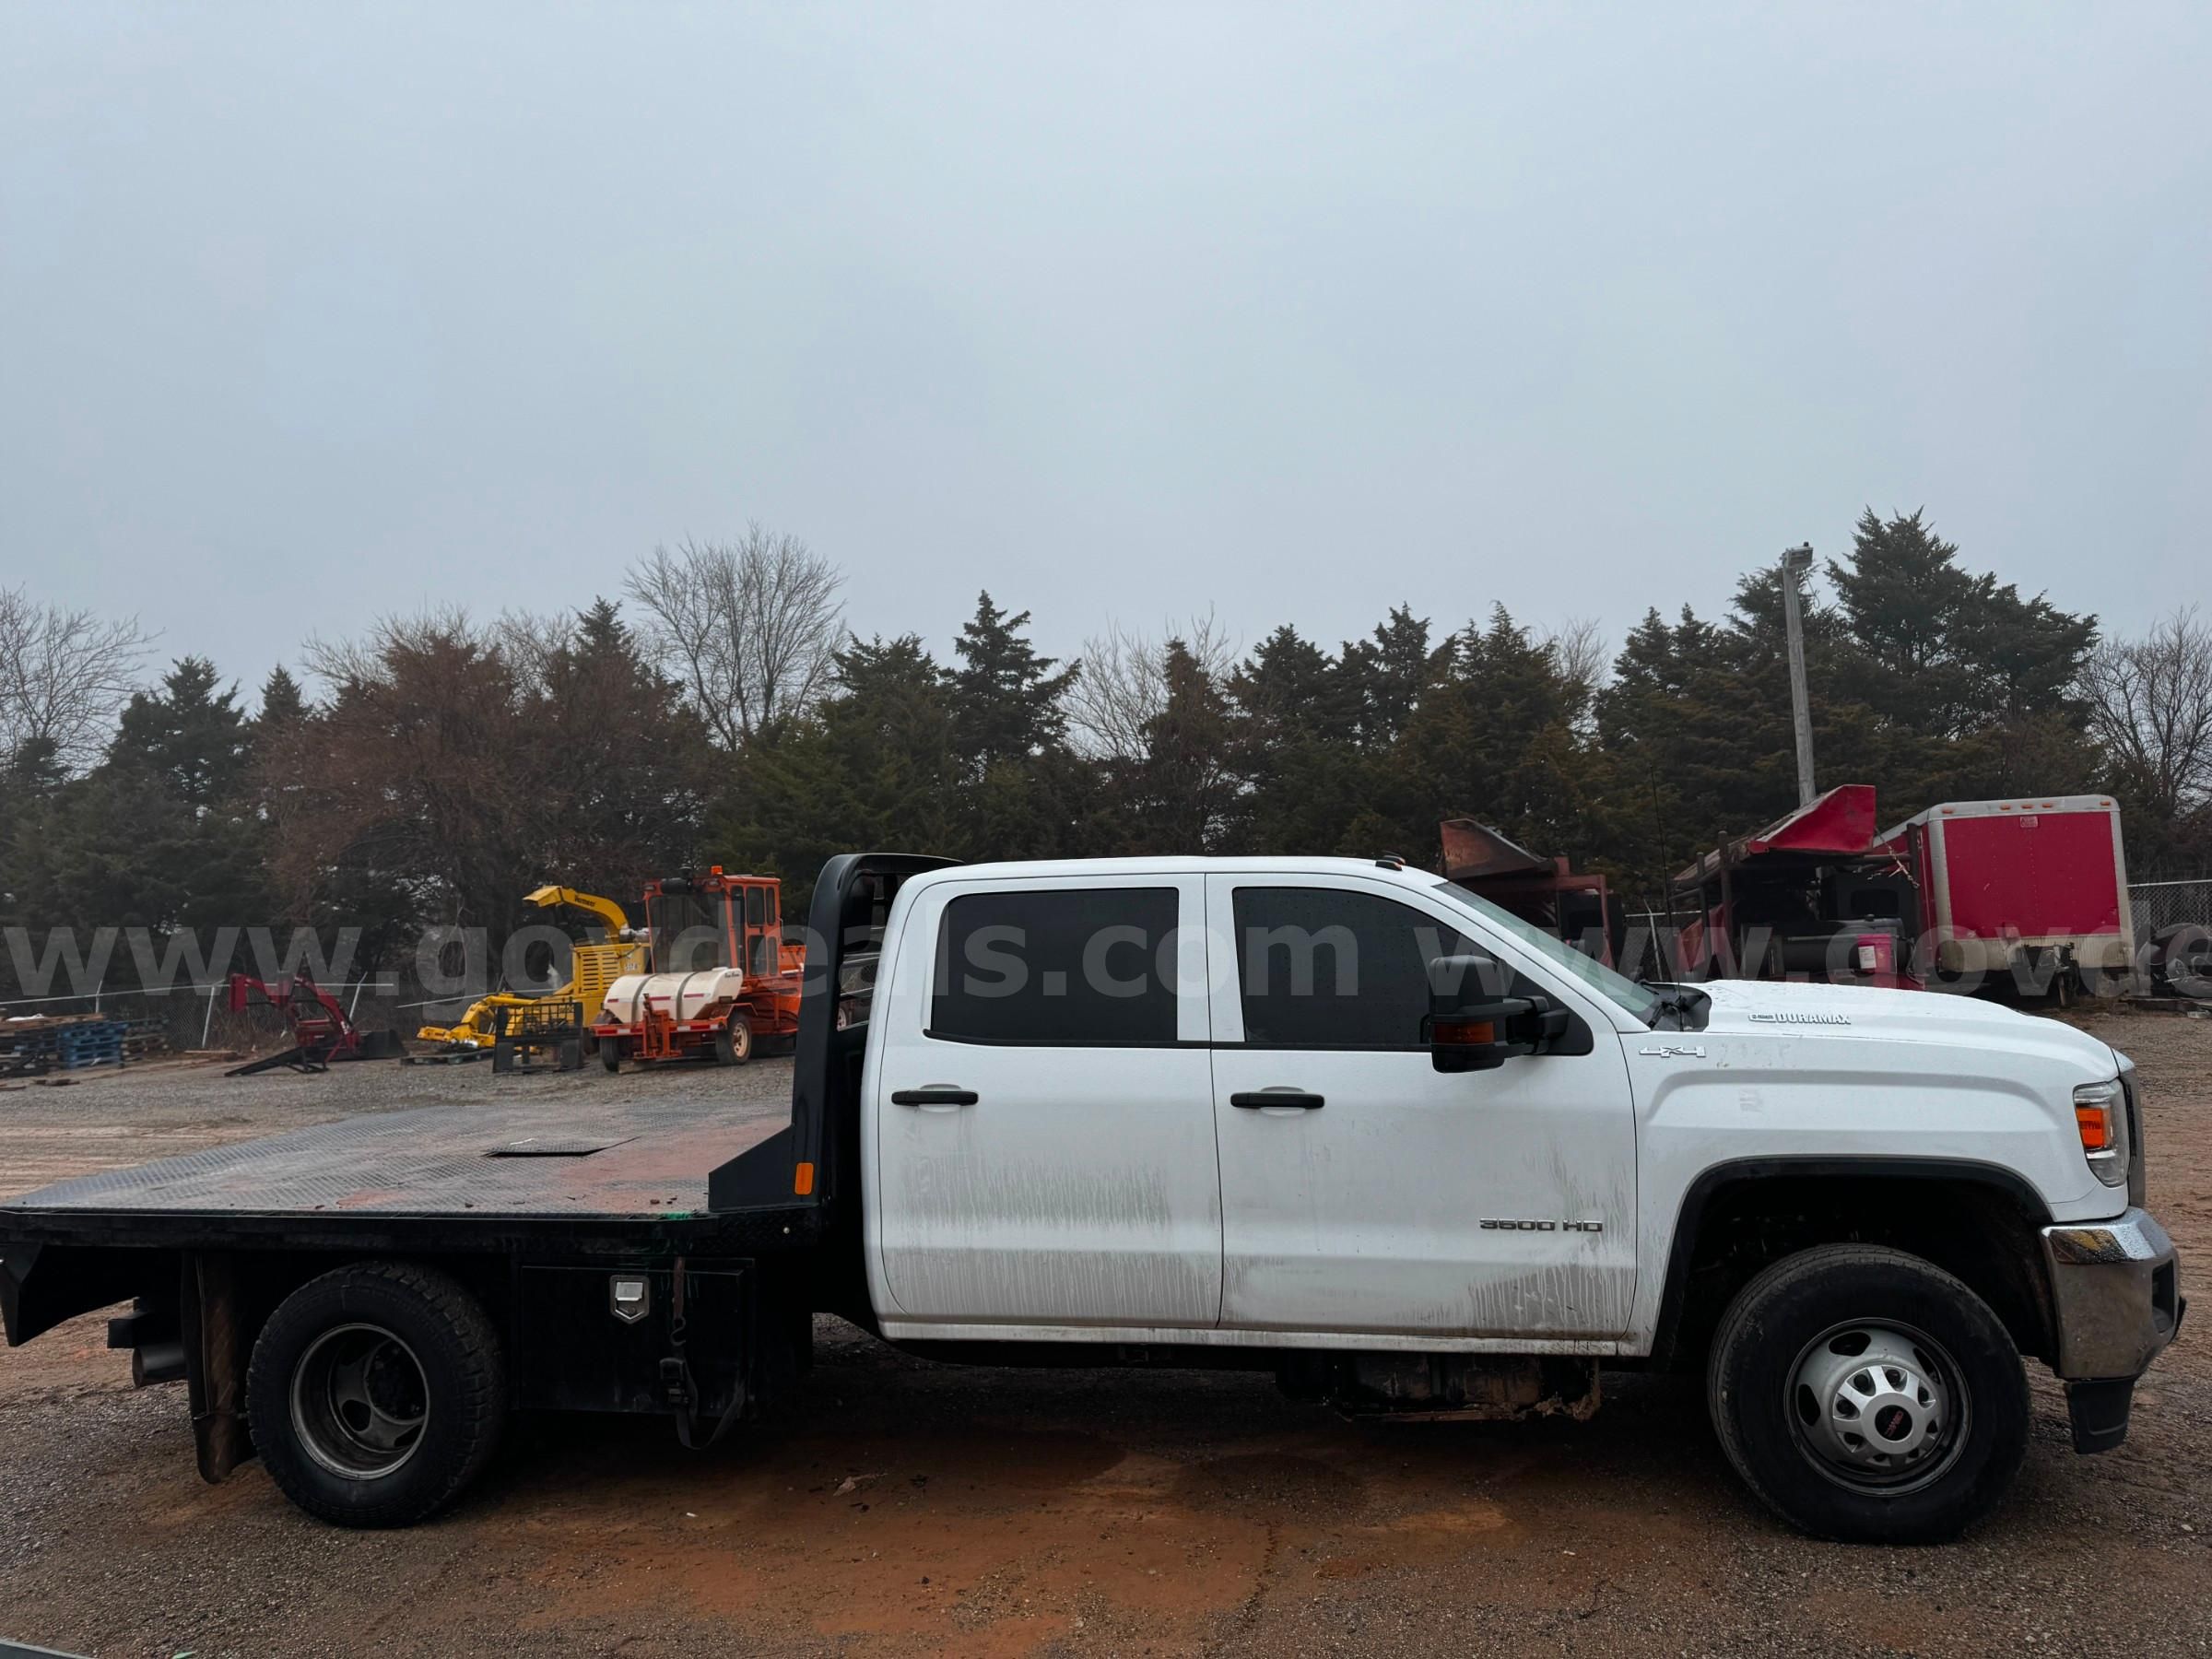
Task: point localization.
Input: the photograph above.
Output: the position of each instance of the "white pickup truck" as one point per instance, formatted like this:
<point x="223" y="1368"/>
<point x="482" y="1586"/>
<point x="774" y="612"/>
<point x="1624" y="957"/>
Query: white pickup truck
<point x="1341" y="1120"/>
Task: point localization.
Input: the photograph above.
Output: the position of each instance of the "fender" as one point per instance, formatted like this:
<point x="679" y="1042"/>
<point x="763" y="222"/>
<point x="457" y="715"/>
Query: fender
<point x="1697" y="1196"/>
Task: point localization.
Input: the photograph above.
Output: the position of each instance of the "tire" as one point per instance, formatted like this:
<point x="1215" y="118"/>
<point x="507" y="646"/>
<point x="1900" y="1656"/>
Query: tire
<point x="1785" y="1374"/>
<point x="610" y="1054"/>
<point x="733" y="1043"/>
<point x="377" y="1393"/>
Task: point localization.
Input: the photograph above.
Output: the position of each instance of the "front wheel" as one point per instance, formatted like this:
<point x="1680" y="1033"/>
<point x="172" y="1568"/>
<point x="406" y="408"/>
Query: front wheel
<point x="377" y="1392"/>
<point x="1867" y="1396"/>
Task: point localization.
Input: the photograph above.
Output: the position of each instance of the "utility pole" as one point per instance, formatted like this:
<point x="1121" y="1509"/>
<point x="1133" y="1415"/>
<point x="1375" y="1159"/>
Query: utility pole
<point x="1794" y="563"/>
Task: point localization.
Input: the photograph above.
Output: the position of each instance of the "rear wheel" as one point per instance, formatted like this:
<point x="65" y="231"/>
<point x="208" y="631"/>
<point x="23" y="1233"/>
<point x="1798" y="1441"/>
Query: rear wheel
<point x="610" y="1053"/>
<point x="1865" y="1394"/>
<point x="377" y="1393"/>
<point x="734" y="1045"/>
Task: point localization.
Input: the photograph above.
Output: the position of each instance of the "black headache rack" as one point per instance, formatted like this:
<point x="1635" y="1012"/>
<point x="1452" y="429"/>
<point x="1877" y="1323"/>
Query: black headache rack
<point x="794" y="1180"/>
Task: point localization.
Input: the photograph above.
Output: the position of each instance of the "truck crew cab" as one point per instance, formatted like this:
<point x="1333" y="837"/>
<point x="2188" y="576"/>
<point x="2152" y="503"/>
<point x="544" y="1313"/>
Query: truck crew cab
<point x="1339" y="1120"/>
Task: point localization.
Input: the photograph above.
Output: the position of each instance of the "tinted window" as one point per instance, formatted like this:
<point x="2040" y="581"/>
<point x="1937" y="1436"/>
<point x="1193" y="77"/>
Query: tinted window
<point x="1078" y="966"/>
<point x="1324" y="968"/>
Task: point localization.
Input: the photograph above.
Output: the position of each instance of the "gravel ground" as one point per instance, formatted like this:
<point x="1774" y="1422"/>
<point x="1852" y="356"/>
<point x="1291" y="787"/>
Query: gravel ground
<point x="917" y="1508"/>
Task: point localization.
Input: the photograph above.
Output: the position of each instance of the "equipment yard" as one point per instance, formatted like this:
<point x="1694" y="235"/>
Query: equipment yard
<point x="913" y="1507"/>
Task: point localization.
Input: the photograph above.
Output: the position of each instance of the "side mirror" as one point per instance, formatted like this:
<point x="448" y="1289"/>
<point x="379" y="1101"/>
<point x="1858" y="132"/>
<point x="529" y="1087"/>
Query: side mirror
<point x="1470" y="1029"/>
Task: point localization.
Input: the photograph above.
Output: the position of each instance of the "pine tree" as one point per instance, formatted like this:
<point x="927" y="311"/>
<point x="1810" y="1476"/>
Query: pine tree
<point x="1942" y="652"/>
<point x="282" y="701"/>
<point x="1004" y="699"/>
<point x="617" y="761"/>
<point x="1181" y="796"/>
<point x="1386" y="673"/>
<point x="189" y="734"/>
<point x="873" y="766"/>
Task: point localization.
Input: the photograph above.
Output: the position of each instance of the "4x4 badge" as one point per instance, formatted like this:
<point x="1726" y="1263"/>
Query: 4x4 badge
<point x="1677" y="1050"/>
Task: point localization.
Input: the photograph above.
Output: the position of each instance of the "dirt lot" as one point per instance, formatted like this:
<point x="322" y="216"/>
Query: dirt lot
<point x="916" y="1508"/>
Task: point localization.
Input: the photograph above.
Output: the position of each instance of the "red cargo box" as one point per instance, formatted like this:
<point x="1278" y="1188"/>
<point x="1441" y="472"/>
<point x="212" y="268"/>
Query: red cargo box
<point x="2004" y="882"/>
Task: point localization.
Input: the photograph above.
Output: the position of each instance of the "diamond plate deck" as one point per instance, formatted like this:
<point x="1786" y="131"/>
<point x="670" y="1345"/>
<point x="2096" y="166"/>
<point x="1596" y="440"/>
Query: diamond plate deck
<point x="653" y="1161"/>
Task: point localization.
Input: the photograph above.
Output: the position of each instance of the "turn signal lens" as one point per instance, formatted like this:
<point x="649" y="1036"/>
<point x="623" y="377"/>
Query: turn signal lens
<point x="1464" y="1033"/>
<point x="2100" y="1118"/>
<point x="2095" y="1125"/>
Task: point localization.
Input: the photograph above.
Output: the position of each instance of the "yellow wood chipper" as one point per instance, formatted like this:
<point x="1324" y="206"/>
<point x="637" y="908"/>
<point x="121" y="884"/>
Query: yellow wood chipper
<point x="593" y="967"/>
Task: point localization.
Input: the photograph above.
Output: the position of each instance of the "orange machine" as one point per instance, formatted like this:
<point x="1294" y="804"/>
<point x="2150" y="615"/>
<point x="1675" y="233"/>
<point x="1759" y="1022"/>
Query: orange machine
<point x="719" y="976"/>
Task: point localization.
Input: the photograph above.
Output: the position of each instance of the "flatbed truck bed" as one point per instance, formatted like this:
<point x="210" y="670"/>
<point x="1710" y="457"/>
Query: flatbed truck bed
<point x="513" y="1167"/>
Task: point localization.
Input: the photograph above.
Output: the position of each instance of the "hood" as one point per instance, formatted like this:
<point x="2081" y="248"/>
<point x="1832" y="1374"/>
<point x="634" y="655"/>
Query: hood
<point x="1747" y="1007"/>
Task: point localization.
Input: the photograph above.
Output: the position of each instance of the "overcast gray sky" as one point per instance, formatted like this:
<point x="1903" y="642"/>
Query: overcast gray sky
<point x="309" y="312"/>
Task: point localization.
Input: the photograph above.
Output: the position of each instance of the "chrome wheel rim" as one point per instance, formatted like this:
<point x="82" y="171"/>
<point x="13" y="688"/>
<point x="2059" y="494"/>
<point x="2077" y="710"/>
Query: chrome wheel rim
<point x="360" y="1400"/>
<point x="1877" y="1406"/>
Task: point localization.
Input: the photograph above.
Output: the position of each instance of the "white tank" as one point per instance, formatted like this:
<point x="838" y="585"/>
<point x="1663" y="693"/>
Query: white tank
<point x="679" y="995"/>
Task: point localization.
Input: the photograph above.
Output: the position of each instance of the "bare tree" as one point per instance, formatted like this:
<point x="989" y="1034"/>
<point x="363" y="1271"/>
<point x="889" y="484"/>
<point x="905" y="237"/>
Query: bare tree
<point x="1578" y="649"/>
<point x="747" y="628"/>
<point x="65" y="676"/>
<point x="2150" y="707"/>
<point x="530" y="642"/>
<point x="1123" y="686"/>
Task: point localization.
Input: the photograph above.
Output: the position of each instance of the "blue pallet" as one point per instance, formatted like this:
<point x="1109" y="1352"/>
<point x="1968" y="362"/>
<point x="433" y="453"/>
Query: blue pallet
<point x="94" y="1043"/>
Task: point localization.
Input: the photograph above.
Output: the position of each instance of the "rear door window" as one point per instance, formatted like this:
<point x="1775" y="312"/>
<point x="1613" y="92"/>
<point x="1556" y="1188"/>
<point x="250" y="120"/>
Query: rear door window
<point x="1075" y="966"/>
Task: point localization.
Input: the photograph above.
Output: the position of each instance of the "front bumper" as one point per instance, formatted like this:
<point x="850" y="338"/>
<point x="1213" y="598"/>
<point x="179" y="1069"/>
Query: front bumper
<point x="2116" y="1293"/>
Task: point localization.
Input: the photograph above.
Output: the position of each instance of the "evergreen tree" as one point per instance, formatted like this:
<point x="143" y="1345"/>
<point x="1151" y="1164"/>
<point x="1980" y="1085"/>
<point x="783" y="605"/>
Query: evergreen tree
<point x="873" y="766"/>
<point x="282" y="701"/>
<point x="1495" y="737"/>
<point x="1181" y="796"/>
<point x="1945" y="653"/>
<point x="617" y="760"/>
<point x="1386" y="673"/>
<point x="1294" y="710"/>
<point x="1002" y="697"/>
<point x="190" y="735"/>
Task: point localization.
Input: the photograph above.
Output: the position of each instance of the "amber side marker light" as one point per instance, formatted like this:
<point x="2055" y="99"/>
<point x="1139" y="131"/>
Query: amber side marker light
<point x="2095" y="1125"/>
<point x="1470" y="1033"/>
<point x="802" y="1180"/>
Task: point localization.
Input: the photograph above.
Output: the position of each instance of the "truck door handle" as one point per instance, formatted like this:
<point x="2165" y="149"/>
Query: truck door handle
<point x="937" y="1094"/>
<point x="1265" y="1098"/>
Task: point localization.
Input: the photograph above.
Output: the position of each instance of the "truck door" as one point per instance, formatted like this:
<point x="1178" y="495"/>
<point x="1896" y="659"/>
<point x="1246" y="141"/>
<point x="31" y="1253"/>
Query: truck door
<point x="1043" y="1108"/>
<point x="1365" y="1192"/>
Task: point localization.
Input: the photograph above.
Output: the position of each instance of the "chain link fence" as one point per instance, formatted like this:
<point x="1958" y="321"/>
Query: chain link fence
<point x="2161" y="904"/>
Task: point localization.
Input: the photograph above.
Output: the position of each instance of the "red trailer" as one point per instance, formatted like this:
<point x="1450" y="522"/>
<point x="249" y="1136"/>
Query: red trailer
<point x="1812" y="897"/>
<point x="2036" y="888"/>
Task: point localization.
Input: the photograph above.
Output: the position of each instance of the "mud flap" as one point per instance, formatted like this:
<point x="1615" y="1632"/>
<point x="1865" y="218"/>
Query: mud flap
<point x="215" y="1363"/>
<point x="2098" y="1413"/>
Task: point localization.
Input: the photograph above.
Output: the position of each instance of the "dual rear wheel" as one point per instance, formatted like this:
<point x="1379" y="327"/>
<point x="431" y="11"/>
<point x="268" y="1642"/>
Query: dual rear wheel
<point x="377" y="1393"/>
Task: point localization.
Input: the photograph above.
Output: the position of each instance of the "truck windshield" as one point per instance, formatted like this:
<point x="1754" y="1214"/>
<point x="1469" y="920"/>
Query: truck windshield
<point x="1613" y="987"/>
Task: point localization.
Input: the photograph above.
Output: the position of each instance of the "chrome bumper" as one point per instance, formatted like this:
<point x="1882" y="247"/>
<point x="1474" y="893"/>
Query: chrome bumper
<point x="2116" y="1288"/>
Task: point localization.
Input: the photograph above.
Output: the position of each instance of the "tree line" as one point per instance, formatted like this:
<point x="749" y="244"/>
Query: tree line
<point x="429" y="771"/>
